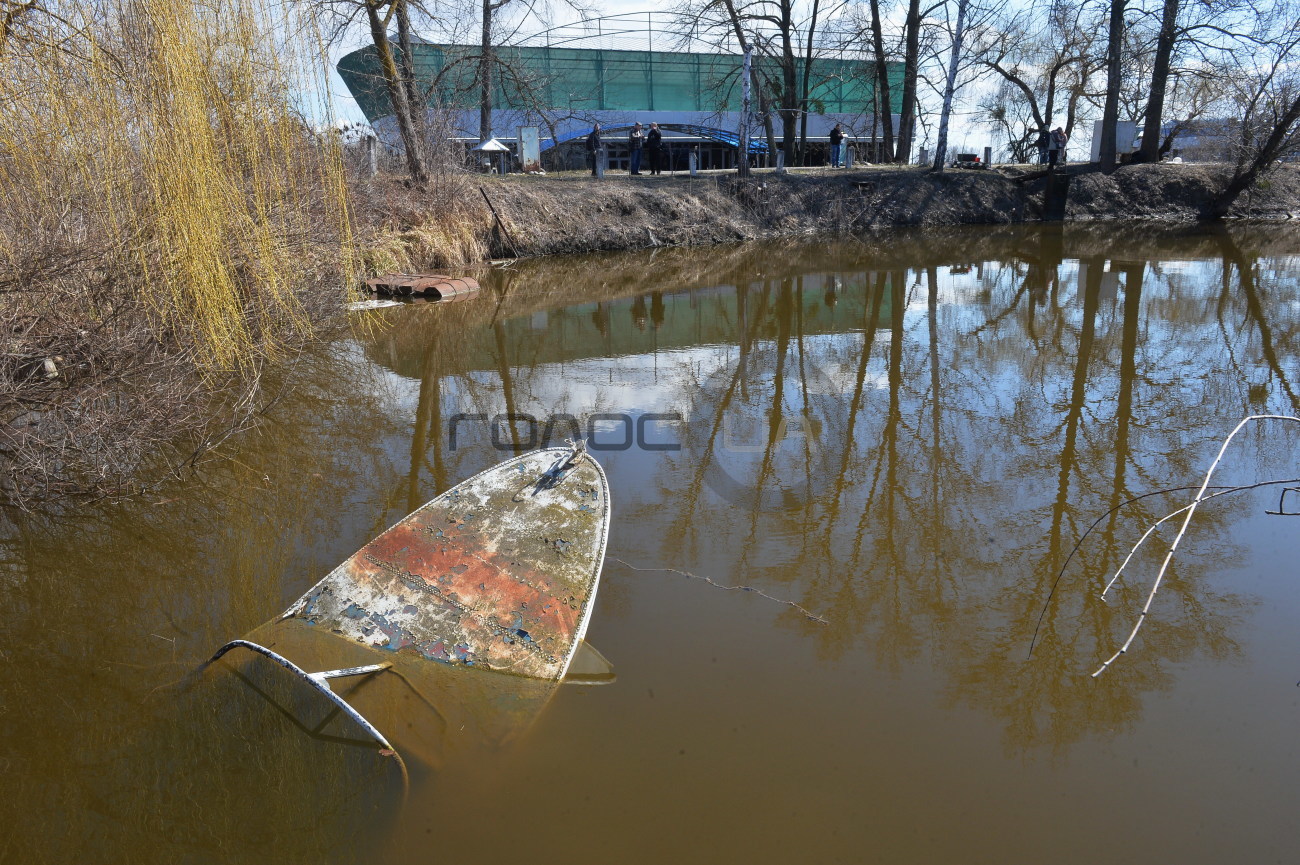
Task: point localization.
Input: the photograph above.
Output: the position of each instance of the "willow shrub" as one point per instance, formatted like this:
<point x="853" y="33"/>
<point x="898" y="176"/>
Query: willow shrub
<point x="161" y="146"/>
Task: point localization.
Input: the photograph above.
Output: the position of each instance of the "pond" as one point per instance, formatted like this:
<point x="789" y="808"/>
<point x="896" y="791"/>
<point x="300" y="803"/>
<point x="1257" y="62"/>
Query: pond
<point x="923" y="456"/>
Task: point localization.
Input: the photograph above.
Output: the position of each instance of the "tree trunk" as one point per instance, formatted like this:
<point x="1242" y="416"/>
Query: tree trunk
<point x="1072" y="108"/>
<point x="764" y="106"/>
<point x="881" y="97"/>
<point x="408" y="61"/>
<point x="789" y="128"/>
<point x="742" y="163"/>
<point x="1110" y="113"/>
<point x="789" y="85"/>
<point x="1159" y="82"/>
<point x="911" y="65"/>
<point x="1049" y="102"/>
<point x="950" y="86"/>
<point x="807" y="84"/>
<point x="769" y="129"/>
<point x="485" y="74"/>
<point x="397" y="94"/>
<point x="803" y="128"/>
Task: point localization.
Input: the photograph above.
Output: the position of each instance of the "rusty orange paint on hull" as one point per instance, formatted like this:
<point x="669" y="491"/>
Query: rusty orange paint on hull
<point x="499" y="572"/>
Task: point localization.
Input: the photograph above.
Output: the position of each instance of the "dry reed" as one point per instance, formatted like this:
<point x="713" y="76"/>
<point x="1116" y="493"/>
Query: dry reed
<point x="441" y="225"/>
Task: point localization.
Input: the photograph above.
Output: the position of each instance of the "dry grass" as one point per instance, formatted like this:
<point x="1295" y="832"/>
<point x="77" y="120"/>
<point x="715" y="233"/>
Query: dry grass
<point x="164" y="212"/>
<point x="402" y="228"/>
<point x="574" y="213"/>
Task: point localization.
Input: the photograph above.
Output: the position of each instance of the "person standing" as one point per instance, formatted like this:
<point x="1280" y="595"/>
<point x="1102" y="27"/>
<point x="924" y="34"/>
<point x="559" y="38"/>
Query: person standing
<point x="635" y="144"/>
<point x="654" y="143"/>
<point x="1053" y="150"/>
<point x="1042" y="142"/>
<point x="837" y="141"/>
<point x="1059" y="139"/>
<point x="593" y="148"/>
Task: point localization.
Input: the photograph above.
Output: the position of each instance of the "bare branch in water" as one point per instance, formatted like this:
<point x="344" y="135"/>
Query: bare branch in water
<point x="1189" y="510"/>
<point x="1219" y="491"/>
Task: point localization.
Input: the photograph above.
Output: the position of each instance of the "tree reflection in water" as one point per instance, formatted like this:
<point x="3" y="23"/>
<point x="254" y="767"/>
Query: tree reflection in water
<point x="917" y="455"/>
<point x="907" y="435"/>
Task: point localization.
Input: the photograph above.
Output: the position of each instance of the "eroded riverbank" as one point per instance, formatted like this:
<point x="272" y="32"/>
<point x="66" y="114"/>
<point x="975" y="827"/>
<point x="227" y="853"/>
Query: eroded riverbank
<point x="567" y="214"/>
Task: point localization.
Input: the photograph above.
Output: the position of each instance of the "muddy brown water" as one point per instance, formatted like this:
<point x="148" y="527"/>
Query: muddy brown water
<point x="932" y="442"/>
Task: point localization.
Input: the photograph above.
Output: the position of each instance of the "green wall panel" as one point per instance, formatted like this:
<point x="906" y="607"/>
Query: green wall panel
<point x="581" y="79"/>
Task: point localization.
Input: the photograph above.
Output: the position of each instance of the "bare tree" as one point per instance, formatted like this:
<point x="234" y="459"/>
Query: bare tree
<point x="816" y="16"/>
<point x="379" y="15"/>
<point x="340" y="17"/>
<point x="882" y="85"/>
<point x="1159" y="81"/>
<point x="969" y="40"/>
<point x="1195" y="54"/>
<point x="950" y="84"/>
<point x="911" y="75"/>
<point x="778" y="31"/>
<point x="1190" y="97"/>
<point x="1046" y="60"/>
<point x="738" y="30"/>
<point x="1008" y="111"/>
<point x="487" y="64"/>
<point x="1269" y="91"/>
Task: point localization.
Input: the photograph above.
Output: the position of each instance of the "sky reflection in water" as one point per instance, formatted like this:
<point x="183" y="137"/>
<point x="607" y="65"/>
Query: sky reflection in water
<point x="906" y="436"/>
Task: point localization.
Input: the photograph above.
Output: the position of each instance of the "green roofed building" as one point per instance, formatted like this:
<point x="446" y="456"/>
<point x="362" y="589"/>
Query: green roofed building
<point x="564" y="86"/>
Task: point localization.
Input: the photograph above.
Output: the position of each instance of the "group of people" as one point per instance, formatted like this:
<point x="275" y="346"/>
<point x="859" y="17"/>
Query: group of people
<point x="639" y="141"/>
<point x="650" y="141"/>
<point x="1051" y="146"/>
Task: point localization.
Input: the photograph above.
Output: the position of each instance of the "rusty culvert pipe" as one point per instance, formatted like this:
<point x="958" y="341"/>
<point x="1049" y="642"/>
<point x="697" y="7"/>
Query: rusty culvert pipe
<point x="433" y="285"/>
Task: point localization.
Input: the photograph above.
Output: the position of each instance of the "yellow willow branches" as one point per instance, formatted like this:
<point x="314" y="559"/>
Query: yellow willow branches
<point x="163" y="145"/>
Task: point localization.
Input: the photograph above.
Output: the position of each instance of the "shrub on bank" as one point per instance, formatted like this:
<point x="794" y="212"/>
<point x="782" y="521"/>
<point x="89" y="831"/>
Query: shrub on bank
<point x="164" y="213"/>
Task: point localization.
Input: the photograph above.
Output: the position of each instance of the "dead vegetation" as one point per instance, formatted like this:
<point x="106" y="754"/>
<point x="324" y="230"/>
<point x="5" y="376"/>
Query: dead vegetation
<point x="165" y="220"/>
<point x="92" y="392"/>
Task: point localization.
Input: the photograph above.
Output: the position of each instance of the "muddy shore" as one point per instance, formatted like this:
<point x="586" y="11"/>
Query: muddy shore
<point x="574" y="213"/>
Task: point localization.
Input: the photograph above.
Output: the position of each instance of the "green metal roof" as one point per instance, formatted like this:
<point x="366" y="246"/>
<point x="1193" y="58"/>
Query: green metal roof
<point x="582" y="79"/>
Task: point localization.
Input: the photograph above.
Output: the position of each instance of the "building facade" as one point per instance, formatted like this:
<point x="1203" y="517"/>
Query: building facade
<point x="694" y="96"/>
